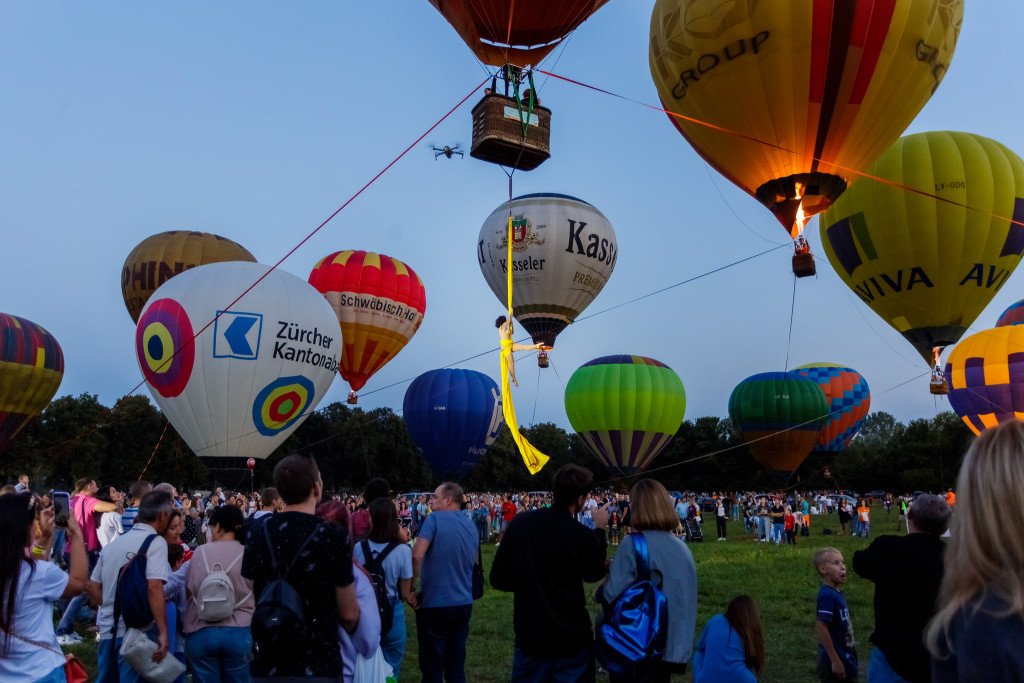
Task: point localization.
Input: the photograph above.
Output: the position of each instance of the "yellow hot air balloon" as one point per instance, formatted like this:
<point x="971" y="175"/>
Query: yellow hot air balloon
<point x="921" y="260"/>
<point x="158" y="258"/>
<point x="828" y="85"/>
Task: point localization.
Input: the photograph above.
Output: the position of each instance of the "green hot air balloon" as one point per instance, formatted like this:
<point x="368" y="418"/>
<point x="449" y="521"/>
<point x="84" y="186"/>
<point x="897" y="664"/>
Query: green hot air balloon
<point x="779" y="415"/>
<point x="626" y="409"/>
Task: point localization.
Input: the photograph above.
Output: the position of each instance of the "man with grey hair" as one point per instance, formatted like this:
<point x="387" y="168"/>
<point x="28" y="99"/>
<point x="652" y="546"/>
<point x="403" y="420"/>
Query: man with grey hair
<point x="443" y="559"/>
<point x="907" y="572"/>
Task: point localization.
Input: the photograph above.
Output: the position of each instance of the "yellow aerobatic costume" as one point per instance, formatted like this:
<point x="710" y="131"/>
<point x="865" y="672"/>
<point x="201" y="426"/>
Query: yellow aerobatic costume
<point x="532" y="457"/>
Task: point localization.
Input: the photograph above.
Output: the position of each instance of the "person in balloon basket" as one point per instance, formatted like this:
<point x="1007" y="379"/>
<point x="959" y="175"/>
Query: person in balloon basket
<point x="545" y="559"/>
<point x="837" y="654"/>
<point x="315" y="559"/>
<point x="442" y="561"/>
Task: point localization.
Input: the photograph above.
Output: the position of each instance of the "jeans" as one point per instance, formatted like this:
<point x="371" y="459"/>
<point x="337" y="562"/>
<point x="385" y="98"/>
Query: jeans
<point x="392" y="643"/>
<point x="67" y="620"/>
<point x="442" y="633"/>
<point x="55" y="676"/>
<point x="879" y="670"/>
<point x="865" y="529"/>
<point x="113" y="669"/>
<point x="777" y="533"/>
<point x="529" y="669"/>
<point x="720" y="524"/>
<point x="219" y="653"/>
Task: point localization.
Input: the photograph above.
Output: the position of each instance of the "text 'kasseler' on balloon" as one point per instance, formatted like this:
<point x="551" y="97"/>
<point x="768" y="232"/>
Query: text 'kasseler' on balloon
<point x="31" y="368"/>
<point x="453" y="415"/>
<point x="255" y="374"/>
<point x="563" y="252"/>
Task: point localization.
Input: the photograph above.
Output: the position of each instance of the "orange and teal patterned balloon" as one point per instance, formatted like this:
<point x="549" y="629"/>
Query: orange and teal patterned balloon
<point x="625" y="408"/>
<point x="779" y="415"/>
<point x="985" y="373"/>
<point x="380" y="303"/>
<point x="849" y="402"/>
<point x="31" y="368"/>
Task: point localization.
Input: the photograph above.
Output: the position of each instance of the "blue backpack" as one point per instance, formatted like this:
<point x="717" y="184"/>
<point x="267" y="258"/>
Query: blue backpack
<point x="131" y="595"/>
<point x="631" y="637"/>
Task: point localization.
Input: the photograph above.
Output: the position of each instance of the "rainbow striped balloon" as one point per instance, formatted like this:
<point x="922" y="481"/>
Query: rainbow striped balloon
<point x="1013" y="315"/>
<point x="31" y="368"/>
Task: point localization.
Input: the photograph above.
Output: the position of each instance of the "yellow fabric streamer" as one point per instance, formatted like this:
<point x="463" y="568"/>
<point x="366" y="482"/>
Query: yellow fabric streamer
<point x="532" y="457"/>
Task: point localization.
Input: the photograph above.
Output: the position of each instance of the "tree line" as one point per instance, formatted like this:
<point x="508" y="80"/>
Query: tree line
<point x="78" y="436"/>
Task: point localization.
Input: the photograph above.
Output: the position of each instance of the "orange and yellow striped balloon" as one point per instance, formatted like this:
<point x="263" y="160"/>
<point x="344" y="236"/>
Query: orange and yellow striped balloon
<point x="800" y="93"/>
<point x="31" y="368"/>
<point x="380" y="303"/>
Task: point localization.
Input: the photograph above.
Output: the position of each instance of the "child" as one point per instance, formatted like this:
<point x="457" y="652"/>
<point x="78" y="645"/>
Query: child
<point x="731" y="647"/>
<point x="837" y="657"/>
<point x="613" y="528"/>
<point x="789" y="526"/>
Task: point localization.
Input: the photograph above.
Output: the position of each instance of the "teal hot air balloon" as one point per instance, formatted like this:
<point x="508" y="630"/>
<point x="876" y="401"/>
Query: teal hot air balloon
<point x="625" y="408"/>
<point x="779" y="415"/>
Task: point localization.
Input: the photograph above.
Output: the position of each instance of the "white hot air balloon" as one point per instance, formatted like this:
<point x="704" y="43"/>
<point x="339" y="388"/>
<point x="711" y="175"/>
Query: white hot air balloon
<point x="254" y="375"/>
<point x="563" y="252"/>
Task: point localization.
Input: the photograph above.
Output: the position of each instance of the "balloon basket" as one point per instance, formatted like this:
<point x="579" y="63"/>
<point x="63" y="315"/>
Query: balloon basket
<point x="938" y="386"/>
<point x="352" y="398"/>
<point x="803" y="264"/>
<point x="542" y="359"/>
<point x="498" y="132"/>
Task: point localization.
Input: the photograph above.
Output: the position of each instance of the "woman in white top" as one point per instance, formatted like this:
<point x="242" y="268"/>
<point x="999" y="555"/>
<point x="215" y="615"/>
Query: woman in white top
<point x="108" y="524"/>
<point x="219" y="643"/>
<point x="29" y="585"/>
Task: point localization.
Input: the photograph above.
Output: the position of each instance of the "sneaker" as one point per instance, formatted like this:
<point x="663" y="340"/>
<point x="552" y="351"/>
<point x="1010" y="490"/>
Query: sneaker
<point x="69" y="639"/>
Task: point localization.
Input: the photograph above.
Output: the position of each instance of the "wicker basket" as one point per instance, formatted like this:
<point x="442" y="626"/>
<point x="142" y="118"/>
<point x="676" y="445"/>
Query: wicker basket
<point x="498" y="133"/>
<point x="803" y="264"/>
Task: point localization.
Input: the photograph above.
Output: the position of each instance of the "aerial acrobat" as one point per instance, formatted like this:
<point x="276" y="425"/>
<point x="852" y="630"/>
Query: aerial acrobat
<point x="447" y="151"/>
<point x="508" y="346"/>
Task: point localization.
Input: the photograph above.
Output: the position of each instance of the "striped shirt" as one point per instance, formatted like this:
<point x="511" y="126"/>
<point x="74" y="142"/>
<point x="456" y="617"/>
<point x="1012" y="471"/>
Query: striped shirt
<point x="128" y="518"/>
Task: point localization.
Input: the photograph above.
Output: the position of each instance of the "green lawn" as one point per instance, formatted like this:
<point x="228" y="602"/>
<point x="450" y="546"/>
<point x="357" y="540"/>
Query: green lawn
<point x="780" y="578"/>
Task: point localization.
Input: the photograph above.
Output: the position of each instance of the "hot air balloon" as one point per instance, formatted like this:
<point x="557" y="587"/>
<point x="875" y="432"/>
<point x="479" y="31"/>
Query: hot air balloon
<point x="779" y="415"/>
<point x="849" y="400"/>
<point x="625" y="408"/>
<point x="925" y="264"/>
<point x="453" y="416"/>
<point x="519" y="32"/>
<point x="31" y="368"/>
<point x="985" y="372"/>
<point x="379" y="302"/>
<point x="1013" y="315"/>
<point x="807" y="92"/>
<point x="253" y="375"/>
<point x="564" y="251"/>
<point x="158" y="258"/>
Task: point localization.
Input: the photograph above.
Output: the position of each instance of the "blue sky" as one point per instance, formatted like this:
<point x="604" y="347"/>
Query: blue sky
<point x="256" y="120"/>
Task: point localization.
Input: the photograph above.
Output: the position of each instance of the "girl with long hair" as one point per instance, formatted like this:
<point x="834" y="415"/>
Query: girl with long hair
<point x="654" y="516"/>
<point x="389" y="541"/>
<point x="731" y="646"/>
<point x="977" y="632"/>
<point x="29" y="585"/>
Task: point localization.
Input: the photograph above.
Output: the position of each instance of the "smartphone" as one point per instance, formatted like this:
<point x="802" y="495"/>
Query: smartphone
<point x="61" y="507"/>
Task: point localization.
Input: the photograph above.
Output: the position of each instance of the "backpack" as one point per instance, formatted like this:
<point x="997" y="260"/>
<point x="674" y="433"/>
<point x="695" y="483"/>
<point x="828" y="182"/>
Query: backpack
<point x="374" y="566"/>
<point x="631" y="637"/>
<point x="131" y="594"/>
<point x="215" y="597"/>
<point x="279" y="619"/>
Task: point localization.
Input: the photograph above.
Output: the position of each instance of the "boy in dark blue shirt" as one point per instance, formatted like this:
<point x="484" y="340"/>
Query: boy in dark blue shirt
<point x="837" y="656"/>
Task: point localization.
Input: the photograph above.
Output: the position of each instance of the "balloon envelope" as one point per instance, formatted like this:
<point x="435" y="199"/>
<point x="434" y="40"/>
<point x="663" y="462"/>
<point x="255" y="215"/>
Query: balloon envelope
<point x="849" y="400"/>
<point x="828" y="85"/>
<point x="1013" y="315"/>
<point x="31" y="368"/>
<point x="378" y="301"/>
<point x="158" y="258"/>
<point x="563" y="252"/>
<point x="779" y="415"/>
<point x="926" y="265"/>
<point x="625" y="408"/>
<point x="252" y="376"/>
<point x="985" y="373"/>
<point x="453" y="416"/>
<point x="520" y="32"/>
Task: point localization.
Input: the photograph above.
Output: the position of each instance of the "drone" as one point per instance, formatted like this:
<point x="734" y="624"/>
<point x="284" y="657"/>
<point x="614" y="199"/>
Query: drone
<point x="447" y="151"/>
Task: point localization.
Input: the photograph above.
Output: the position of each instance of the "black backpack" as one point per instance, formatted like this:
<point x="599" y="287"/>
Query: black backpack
<point x="279" y="619"/>
<point x="131" y="593"/>
<point x="375" y="568"/>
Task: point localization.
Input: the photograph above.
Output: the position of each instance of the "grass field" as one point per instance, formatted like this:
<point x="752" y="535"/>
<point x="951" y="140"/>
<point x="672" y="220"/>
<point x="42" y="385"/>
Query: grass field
<point x="780" y="578"/>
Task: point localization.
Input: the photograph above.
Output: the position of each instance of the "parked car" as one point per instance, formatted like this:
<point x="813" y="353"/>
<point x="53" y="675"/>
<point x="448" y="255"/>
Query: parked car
<point x="876" y="494"/>
<point x="707" y="504"/>
<point x="836" y="498"/>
